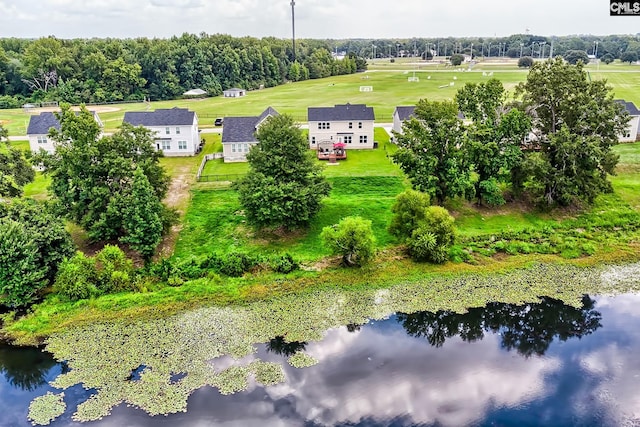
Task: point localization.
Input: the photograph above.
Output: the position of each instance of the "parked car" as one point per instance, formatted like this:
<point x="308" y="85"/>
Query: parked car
<point x="218" y="121"/>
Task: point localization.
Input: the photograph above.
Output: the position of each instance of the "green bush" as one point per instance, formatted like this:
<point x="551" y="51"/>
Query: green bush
<point x="21" y="274"/>
<point x="409" y="210"/>
<point x="283" y="264"/>
<point x="115" y="270"/>
<point x="433" y="237"/>
<point x="233" y="264"/>
<point x="352" y="238"/>
<point x="77" y="278"/>
<point x="491" y="193"/>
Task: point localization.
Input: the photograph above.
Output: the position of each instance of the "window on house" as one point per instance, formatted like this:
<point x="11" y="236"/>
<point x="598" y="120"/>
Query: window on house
<point x="233" y="148"/>
<point x="363" y="139"/>
<point x="166" y="145"/>
<point x="167" y="131"/>
<point x="359" y="125"/>
<point x="350" y="125"/>
<point x="347" y="139"/>
<point x="246" y="148"/>
<point x="177" y="131"/>
<point x="182" y="145"/>
<point x="42" y="140"/>
<point x="313" y="140"/>
<point x="324" y="125"/>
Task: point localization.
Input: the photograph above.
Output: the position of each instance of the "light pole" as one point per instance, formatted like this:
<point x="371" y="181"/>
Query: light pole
<point x="472" y="51"/>
<point x="374" y="51"/>
<point x="397" y="50"/>
<point x="533" y="45"/>
<point x="489" y="50"/>
<point x="293" y="28"/>
<point x="521" y="46"/>
<point x="542" y="49"/>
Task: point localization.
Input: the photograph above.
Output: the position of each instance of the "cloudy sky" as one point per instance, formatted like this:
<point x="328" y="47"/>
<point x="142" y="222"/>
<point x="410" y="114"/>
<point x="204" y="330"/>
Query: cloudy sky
<point x="314" y="18"/>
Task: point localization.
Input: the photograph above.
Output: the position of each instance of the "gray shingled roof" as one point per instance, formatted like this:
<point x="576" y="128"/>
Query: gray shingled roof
<point x="162" y="117"/>
<point x="404" y="112"/>
<point x="341" y="112"/>
<point x="40" y="124"/>
<point x="629" y="106"/>
<point x="242" y="129"/>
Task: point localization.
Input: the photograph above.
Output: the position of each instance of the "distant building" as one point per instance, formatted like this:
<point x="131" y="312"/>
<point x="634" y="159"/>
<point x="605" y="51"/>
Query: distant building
<point x="39" y="127"/>
<point x="239" y="135"/>
<point x="176" y="129"/>
<point x="400" y="114"/>
<point x="632" y="132"/>
<point x="351" y="124"/>
<point x="234" y="92"/>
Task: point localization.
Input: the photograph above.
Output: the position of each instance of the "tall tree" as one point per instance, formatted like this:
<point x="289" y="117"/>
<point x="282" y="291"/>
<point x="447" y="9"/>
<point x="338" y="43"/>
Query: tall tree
<point x="576" y="123"/>
<point x="432" y="151"/>
<point x="142" y="216"/>
<point x="15" y="170"/>
<point x="284" y="186"/>
<point x="93" y="176"/>
<point x="495" y="136"/>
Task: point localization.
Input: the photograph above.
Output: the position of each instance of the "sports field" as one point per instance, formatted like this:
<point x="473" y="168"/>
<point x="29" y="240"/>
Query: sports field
<point x="389" y="83"/>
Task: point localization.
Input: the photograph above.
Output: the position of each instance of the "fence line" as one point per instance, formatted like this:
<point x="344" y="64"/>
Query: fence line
<point x="205" y="159"/>
<point x="230" y="177"/>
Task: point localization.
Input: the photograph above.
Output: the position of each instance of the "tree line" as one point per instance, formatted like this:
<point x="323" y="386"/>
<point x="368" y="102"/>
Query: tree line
<point x="107" y="70"/>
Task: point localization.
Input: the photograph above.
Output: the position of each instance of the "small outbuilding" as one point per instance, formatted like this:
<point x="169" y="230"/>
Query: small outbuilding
<point x="234" y="92"/>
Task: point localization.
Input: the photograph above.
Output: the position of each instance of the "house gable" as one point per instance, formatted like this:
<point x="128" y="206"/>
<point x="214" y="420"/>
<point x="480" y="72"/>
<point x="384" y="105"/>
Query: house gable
<point x="238" y="134"/>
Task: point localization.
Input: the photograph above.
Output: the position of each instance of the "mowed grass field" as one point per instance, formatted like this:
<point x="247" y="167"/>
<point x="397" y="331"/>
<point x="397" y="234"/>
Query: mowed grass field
<point x="390" y="88"/>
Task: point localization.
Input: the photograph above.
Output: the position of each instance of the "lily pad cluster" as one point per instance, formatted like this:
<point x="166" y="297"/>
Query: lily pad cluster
<point x="175" y="356"/>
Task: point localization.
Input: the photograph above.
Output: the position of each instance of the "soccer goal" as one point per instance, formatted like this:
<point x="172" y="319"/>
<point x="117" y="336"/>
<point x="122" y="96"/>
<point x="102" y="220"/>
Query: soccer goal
<point x="366" y="88"/>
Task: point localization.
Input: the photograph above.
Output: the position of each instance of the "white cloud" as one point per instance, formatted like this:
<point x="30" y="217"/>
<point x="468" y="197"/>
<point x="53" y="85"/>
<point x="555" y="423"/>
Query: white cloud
<point x="314" y="18"/>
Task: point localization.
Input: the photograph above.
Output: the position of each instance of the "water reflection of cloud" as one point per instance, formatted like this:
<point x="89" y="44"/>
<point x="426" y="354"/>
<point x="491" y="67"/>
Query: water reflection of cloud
<point x="453" y="385"/>
<point x="623" y="304"/>
<point x="617" y="391"/>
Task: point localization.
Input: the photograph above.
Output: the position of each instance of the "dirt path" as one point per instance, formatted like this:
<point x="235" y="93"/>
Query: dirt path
<point x="177" y="198"/>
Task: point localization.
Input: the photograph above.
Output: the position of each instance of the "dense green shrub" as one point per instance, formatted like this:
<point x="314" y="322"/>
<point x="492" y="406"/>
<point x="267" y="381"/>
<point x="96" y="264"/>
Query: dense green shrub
<point x="409" y="210"/>
<point x="525" y="62"/>
<point x="115" y="270"/>
<point x="491" y="193"/>
<point x="433" y="237"/>
<point x="233" y="264"/>
<point x="352" y="238"/>
<point x="22" y="275"/>
<point x="283" y="263"/>
<point x="77" y="278"/>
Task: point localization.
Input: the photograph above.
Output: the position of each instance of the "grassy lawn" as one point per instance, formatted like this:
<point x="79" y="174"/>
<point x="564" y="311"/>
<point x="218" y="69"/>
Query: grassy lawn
<point x="215" y="222"/>
<point x="627" y="181"/>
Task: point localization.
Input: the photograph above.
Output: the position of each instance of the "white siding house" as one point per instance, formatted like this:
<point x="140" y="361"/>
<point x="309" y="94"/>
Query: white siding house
<point x="400" y="114"/>
<point x="350" y="124"/>
<point x="176" y="129"/>
<point x="632" y="133"/>
<point x="38" y="131"/>
<point x="238" y="135"/>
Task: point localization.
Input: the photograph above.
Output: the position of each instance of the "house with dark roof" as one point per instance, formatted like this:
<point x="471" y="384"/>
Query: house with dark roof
<point x="632" y="133"/>
<point x="176" y="129"/>
<point x="400" y="114"/>
<point x="349" y="124"/>
<point x="239" y="135"/>
<point x="39" y="127"/>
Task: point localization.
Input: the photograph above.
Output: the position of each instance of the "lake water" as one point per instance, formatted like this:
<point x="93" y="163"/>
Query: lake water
<point x="502" y="365"/>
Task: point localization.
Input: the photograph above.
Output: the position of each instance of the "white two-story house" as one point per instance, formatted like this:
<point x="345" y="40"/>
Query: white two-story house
<point x="400" y="114"/>
<point x="38" y="131"/>
<point x="239" y="135"/>
<point x="176" y="129"/>
<point x="632" y="133"/>
<point x="350" y="124"/>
